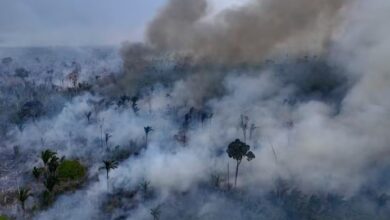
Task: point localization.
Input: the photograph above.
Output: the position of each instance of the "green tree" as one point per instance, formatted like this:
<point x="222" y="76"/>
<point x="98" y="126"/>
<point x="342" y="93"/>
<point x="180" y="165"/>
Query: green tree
<point x="238" y="150"/>
<point x="70" y="170"/>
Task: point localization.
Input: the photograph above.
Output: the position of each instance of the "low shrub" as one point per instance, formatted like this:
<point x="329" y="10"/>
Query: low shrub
<point x="71" y="170"/>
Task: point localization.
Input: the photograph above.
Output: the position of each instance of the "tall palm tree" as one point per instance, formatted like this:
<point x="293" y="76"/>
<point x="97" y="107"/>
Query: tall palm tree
<point x="23" y="195"/>
<point x="109" y="165"/>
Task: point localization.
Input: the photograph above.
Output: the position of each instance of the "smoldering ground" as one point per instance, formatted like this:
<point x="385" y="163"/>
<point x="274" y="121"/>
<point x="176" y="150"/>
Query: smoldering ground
<point x="320" y="122"/>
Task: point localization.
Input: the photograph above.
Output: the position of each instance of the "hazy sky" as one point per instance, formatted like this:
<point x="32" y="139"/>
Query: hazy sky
<point x="74" y="22"/>
<point x="81" y="22"/>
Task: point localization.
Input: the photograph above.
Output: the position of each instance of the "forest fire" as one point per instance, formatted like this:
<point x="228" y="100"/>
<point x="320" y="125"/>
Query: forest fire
<point x="268" y="109"/>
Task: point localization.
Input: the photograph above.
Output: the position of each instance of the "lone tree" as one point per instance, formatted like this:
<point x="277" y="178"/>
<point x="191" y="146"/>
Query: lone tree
<point x="109" y="165"/>
<point x="237" y="150"/>
<point x="147" y="130"/>
<point x="23" y="195"/>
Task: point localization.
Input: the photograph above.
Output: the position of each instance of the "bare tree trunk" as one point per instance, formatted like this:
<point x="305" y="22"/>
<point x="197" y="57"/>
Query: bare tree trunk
<point x="107" y="181"/>
<point x="146" y="140"/>
<point x="235" y="180"/>
<point x="150" y="105"/>
<point x="23" y="210"/>
<point x="228" y="175"/>
<point x="101" y="135"/>
<point x="274" y="152"/>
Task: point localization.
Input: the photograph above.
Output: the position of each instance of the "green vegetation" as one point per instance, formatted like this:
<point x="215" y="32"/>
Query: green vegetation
<point x="70" y="170"/>
<point x="57" y="175"/>
<point x="3" y="217"/>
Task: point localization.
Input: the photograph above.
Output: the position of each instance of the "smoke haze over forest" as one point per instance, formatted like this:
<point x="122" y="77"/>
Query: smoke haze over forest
<point x="302" y="83"/>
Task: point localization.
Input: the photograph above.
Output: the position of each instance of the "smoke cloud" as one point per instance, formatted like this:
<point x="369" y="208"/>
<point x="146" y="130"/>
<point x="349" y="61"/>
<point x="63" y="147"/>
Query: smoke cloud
<point x="197" y="48"/>
<point x="247" y="33"/>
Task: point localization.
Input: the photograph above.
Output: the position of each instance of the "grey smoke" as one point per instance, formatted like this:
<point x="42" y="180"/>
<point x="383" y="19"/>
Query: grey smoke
<point x="248" y="33"/>
<point x="200" y="48"/>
